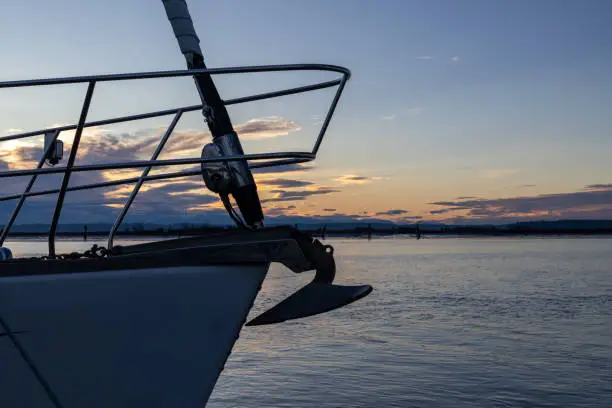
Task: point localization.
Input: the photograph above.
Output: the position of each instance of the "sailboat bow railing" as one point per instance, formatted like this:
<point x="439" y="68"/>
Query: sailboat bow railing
<point x="254" y="160"/>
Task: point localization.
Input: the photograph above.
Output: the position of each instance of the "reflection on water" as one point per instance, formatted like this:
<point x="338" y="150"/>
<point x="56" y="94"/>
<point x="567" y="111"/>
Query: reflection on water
<point x="451" y="323"/>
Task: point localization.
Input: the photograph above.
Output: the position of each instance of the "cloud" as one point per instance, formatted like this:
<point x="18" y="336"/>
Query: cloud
<point x="179" y="188"/>
<point x="274" y="211"/>
<point x="285" y="183"/>
<point x="284" y="195"/>
<point x="286" y="168"/>
<point x="599" y="187"/>
<point x="20" y="154"/>
<point x="424" y="57"/>
<point x="392" y="212"/>
<point x="13" y="130"/>
<point x="25" y="153"/>
<point x="465" y="197"/>
<point x="100" y="145"/>
<point x="170" y="199"/>
<point x="329" y="209"/>
<point x="455" y="58"/>
<point x="279" y="211"/>
<point x="265" y="128"/>
<point x="178" y="192"/>
<point x="352" y="179"/>
<point x="591" y="203"/>
<point x="389" y="117"/>
<point x="166" y="200"/>
<point x="441" y="211"/>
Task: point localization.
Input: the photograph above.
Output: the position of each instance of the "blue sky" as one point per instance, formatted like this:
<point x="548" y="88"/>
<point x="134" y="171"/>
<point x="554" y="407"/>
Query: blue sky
<point x="498" y="101"/>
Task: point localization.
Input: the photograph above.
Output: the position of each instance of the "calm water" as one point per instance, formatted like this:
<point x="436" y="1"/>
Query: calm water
<point x="499" y="322"/>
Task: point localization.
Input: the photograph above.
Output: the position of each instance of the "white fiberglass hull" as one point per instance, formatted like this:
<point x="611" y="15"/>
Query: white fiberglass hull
<point x="156" y="337"/>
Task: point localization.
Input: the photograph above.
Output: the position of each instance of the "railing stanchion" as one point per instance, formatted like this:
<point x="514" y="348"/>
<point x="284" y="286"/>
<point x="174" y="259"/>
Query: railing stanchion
<point x="141" y="180"/>
<point x="330" y="113"/>
<point x="68" y="170"/>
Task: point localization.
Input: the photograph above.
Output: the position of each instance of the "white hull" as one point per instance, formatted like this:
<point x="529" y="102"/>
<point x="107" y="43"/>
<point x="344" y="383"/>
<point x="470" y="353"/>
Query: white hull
<point x="124" y="338"/>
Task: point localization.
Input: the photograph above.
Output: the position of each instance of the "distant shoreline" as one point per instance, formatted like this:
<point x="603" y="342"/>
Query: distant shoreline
<point x="334" y="229"/>
<point x="466" y="232"/>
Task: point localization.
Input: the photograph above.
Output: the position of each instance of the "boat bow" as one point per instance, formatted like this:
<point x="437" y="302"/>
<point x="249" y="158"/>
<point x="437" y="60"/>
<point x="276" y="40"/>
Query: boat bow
<point x="296" y="250"/>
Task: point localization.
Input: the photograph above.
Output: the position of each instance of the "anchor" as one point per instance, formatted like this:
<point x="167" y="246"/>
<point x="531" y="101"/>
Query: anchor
<point x="318" y="296"/>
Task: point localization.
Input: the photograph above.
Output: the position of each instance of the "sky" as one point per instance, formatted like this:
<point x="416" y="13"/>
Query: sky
<point x="471" y="111"/>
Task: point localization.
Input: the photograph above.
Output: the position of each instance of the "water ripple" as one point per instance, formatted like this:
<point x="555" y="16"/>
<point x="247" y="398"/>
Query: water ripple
<point x="451" y="323"/>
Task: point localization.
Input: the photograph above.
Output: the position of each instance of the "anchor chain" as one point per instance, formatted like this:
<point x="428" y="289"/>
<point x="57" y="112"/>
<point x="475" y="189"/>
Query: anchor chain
<point x="95" y="251"/>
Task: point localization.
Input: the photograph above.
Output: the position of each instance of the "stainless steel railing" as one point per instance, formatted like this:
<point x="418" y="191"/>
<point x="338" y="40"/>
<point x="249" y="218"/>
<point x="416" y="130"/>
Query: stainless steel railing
<point x="260" y="160"/>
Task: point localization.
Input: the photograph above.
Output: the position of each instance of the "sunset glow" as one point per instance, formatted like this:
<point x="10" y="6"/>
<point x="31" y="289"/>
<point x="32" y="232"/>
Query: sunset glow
<point x="447" y="117"/>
